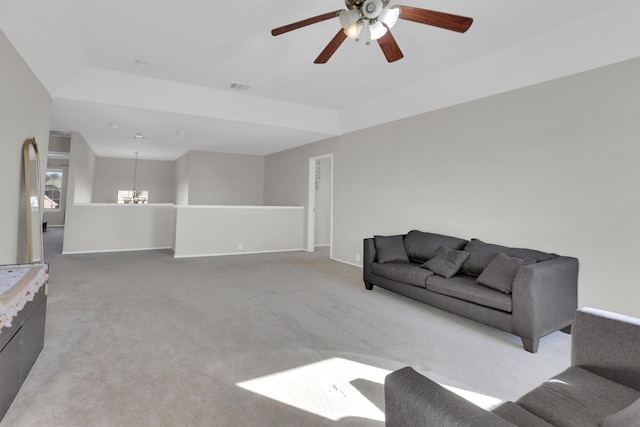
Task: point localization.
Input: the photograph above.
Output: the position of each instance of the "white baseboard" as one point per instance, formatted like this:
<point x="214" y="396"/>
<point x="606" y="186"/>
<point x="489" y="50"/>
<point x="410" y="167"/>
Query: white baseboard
<point x="114" y="250"/>
<point x="346" y="262"/>
<point x="237" y="253"/>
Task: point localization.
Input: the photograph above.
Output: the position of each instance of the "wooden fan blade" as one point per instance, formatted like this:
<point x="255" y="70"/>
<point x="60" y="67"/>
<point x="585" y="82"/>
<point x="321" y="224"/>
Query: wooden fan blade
<point x="331" y="48"/>
<point x="390" y="48"/>
<point x="304" y="23"/>
<point x="437" y="19"/>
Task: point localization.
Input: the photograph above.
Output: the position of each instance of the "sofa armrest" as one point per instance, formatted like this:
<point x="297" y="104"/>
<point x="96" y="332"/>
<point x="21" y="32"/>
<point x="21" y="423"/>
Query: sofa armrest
<point x="607" y="344"/>
<point x="368" y="258"/>
<point x="412" y="399"/>
<point x="545" y="297"/>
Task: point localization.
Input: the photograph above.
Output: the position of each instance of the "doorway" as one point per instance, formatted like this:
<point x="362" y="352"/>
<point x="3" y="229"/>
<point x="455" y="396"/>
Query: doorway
<point x="320" y="204"/>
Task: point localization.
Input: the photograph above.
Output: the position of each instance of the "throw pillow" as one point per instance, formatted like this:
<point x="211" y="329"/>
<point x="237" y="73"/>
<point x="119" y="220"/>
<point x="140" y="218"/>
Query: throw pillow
<point x="422" y="246"/>
<point x="390" y="249"/>
<point x="626" y="417"/>
<point x="500" y="273"/>
<point x="482" y="253"/>
<point x="447" y="262"/>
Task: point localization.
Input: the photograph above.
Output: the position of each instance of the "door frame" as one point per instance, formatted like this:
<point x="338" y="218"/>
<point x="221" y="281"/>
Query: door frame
<point x="311" y="204"/>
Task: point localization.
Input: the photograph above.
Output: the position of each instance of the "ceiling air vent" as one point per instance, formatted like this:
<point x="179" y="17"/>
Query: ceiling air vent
<point x="239" y="86"/>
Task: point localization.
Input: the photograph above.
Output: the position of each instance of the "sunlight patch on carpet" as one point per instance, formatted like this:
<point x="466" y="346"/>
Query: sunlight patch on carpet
<point x="327" y="388"/>
<point x="482" y="400"/>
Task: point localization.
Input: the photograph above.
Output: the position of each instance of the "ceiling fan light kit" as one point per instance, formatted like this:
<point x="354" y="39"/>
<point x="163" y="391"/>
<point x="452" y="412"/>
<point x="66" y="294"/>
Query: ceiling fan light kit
<point x="348" y="18"/>
<point x="371" y="20"/>
<point x="377" y="30"/>
<point x="389" y="16"/>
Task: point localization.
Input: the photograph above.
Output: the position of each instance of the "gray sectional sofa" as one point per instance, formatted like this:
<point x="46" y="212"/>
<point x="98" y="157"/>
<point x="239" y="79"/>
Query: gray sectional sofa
<point x="522" y="291"/>
<point x="601" y="388"/>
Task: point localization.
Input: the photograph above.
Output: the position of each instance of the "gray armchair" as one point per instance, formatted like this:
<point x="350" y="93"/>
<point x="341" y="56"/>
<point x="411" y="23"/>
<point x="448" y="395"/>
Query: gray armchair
<point x="602" y="386"/>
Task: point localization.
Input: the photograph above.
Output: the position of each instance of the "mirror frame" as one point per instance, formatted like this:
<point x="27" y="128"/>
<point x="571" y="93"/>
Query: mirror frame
<point x="32" y="189"/>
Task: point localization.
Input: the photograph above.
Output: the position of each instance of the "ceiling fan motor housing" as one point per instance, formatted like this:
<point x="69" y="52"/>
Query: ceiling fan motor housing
<point x="353" y="4"/>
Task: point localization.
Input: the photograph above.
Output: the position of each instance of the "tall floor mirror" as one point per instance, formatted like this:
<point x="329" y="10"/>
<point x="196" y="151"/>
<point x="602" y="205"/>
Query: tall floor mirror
<point x="35" y="250"/>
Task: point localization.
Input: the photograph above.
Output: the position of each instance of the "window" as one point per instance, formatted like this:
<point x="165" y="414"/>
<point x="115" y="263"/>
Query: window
<point x="53" y="189"/>
<point x="127" y="197"/>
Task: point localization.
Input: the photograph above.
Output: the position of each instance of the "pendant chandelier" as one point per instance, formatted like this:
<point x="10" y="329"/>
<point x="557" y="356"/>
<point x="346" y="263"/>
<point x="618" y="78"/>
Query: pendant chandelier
<point x="135" y="196"/>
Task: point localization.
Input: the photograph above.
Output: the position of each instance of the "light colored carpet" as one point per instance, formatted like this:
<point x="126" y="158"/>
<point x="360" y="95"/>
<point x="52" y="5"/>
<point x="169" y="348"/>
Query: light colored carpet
<point x="291" y="339"/>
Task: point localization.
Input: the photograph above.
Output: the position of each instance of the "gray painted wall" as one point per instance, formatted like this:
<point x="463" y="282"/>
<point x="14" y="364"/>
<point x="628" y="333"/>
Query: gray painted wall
<point x="225" y="179"/>
<point x="555" y="166"/>
<point x="114" y="174"/>
<point x="60" y="144"/>
<point x="82" y="172"/>
<point x="196" y="178"/>
<point x="82" y="166"/>
<point x="25" y="112"/>
<point x="181" y="180"/>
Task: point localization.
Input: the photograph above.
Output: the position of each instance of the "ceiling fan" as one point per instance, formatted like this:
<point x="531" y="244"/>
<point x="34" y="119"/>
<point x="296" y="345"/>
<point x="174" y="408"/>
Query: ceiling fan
<point x="370" y="20"/>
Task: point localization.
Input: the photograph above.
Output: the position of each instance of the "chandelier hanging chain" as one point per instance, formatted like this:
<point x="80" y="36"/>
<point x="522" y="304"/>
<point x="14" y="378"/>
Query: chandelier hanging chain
<point x="135" y="175"/>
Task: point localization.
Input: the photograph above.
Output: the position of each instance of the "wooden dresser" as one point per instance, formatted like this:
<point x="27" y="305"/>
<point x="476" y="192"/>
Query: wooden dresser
<point x="23" y="307"/>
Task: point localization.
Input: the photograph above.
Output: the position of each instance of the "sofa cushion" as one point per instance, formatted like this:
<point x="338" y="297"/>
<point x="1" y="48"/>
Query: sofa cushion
<point x="390" y="249"/>
<point x="519" y="416"/>
<point x="447" y="262"/>
<point x="465" y="288"/>
<point x="421" y="246"/>
<point x="411" y="274"/>
<point x="500" y="272"/>
<point x="481" y="254"/>
<point x="624" y="418"/>
<point x="577" y="398"/>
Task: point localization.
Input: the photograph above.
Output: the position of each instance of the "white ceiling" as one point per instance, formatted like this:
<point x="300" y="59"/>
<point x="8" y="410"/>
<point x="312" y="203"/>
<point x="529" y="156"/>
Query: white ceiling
<point x="84" y="52"/>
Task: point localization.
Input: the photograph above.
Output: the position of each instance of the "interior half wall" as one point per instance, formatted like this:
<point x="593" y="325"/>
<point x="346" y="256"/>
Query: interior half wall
<point x="555" y="167"/>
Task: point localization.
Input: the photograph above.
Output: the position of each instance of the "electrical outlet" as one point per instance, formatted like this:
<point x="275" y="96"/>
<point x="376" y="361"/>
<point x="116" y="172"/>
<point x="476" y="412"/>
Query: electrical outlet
<point x="357" y="257"/>
<point x="240" y="246"/>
